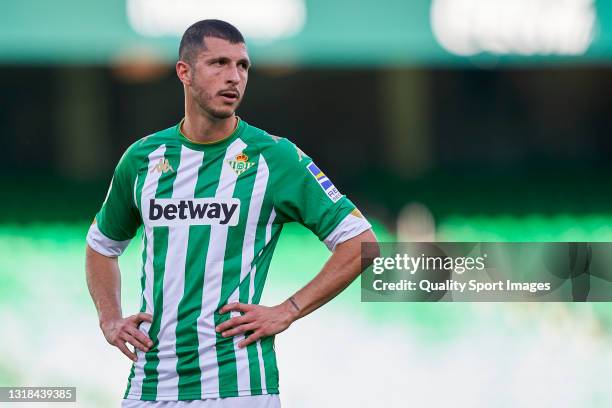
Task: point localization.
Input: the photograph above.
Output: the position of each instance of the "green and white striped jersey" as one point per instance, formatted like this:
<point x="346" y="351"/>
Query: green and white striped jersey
<point x="212" y="215"/>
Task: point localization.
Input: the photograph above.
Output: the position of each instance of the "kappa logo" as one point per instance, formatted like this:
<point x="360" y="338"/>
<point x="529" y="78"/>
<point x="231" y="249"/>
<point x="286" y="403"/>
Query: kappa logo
<point x="300" y="153"/>
<point x="163" y="166"/>
<point x="240" y="164"/>
<point x="275" y="138"/>
<point x="194" y="211"/>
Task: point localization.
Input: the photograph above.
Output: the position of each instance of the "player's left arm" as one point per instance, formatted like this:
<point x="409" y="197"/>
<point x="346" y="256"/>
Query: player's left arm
<point x="312" y="200"/>
<point x="338" y="272"/>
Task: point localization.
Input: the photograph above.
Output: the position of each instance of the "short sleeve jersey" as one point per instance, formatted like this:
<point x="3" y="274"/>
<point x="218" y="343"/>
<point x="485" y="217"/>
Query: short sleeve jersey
<point x="211" y="216"/>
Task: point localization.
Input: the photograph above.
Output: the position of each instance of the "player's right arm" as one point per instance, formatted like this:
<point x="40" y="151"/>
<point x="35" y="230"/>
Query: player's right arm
<point x="104" y="283"/>
<point x="111" y="231"/>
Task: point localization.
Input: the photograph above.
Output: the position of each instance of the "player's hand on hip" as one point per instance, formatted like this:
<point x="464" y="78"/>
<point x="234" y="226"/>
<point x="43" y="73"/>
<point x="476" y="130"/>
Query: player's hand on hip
<point x="125" y="330"/>
<point x="263" y="321"/>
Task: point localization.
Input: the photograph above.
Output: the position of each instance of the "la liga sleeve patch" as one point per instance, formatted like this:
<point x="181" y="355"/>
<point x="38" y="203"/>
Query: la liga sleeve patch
<point x="330" y="190"/>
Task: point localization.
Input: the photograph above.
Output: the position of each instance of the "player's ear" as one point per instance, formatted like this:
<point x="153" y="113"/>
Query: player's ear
<point x="183" y="71"/>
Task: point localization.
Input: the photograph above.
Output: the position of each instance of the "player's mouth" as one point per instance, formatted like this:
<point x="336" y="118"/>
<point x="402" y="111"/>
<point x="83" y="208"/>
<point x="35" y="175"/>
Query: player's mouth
<point x="229" y="96"/>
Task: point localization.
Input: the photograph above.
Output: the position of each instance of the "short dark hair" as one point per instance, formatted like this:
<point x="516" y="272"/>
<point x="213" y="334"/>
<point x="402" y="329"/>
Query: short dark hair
<point x="193" y="38"/>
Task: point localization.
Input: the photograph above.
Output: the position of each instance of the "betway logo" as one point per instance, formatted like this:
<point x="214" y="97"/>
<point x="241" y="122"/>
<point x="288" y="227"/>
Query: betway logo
<point x="194" y="211"/>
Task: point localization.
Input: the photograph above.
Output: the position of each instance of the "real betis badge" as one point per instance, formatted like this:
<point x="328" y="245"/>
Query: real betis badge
<point x="241" y="163"/>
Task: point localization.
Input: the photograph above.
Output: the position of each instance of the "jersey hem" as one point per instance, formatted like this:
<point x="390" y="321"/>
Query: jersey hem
<point x="199" y="396"/>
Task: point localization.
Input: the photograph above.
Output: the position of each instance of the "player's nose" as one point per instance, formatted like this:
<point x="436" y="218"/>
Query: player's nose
<point x="233" y="76"/>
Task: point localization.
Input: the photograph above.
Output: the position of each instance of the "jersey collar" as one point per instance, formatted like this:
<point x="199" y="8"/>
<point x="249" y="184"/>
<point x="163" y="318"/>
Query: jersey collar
<point x="209" y="145"/>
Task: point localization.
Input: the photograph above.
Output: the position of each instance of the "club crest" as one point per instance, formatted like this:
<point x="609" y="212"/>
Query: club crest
<point x="240" y="164"/>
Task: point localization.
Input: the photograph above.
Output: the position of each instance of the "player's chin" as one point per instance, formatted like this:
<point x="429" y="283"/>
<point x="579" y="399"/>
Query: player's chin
<point x="224" y="113"/>
<point x="226" y="110"/>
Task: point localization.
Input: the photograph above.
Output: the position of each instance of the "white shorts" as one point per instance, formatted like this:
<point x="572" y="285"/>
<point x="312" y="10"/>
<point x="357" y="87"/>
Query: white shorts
<point x="249" y="401"/>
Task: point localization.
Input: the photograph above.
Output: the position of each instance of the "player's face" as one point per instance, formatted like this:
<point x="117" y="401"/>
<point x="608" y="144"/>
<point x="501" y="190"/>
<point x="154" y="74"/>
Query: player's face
<point x="219" y="77"/>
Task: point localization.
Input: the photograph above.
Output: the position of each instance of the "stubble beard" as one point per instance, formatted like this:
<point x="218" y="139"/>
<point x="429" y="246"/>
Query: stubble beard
<point x="204" y="101"/>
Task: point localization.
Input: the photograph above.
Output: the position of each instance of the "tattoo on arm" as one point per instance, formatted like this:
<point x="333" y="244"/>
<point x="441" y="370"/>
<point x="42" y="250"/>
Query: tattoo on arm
<point x="294" y="304"/>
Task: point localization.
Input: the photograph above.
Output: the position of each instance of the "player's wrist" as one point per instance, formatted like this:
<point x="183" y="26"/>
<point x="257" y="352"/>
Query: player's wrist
<point x="292" y="309"/>
<point x="106" y="322"/>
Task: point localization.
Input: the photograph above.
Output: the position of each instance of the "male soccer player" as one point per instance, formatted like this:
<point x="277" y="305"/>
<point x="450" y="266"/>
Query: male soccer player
<point x="213" y="193"/>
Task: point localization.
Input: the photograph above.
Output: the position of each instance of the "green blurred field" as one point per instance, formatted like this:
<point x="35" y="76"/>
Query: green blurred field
<point x="50" y="333"/>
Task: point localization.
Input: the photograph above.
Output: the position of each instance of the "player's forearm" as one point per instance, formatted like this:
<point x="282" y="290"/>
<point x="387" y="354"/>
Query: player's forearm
<point x="339" y="271"/>
<point x="104" y="283"/>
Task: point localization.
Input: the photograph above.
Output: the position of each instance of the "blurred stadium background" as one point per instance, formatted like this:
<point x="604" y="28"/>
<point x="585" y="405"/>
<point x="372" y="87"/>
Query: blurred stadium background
<point x="483" y="120"/>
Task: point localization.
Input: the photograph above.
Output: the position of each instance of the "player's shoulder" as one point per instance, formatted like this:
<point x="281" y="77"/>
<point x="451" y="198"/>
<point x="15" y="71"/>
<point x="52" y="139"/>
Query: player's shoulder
<point x="142" y="147"/>
<point x="277" y="149"/>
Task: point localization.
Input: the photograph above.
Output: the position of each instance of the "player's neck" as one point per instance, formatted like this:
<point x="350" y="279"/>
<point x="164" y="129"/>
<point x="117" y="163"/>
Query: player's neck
<point x="202" y="129"/>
